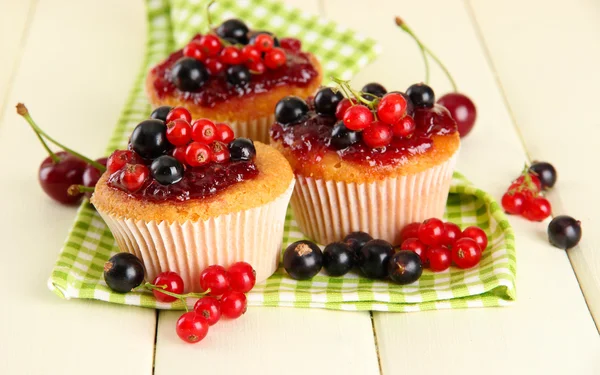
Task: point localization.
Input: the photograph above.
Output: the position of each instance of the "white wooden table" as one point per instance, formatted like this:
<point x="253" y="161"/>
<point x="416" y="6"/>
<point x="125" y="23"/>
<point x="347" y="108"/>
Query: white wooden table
<point x="532" y="67"/>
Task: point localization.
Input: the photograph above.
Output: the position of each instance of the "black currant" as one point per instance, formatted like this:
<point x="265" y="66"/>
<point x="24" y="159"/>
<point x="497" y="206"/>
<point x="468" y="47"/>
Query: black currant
<point x="189" y="74"/>
<point x="166" y="170"/>
<point x="161" y="112"/>
<point x="149" y="139"/>
<point x="338" y="259"/>
<point x="405" y="267"/>
<point x="302" y="260"/>
<point x="326" y="101"/>
<point x="373" y="258"/>
<point x="254" y="34"/>
<point x="356" y="240"/>
<point x="421" y="95"/>
<point x="233" y="29"/>
<point x="374" y="89"/>
<point x="238" y="75"/>
<point x="342" y="137"/>
<point x="123" y="272"/>
<point x="564" y="232"/>
<point x="290" y="110"/>
<point x="242" y="149"/>
<point x="545" y="172"/>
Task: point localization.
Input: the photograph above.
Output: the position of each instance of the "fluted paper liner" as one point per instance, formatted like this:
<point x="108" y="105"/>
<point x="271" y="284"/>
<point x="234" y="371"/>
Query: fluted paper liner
<point x="327" y="211"/>
<point x="255" y="129"/>
<point x="254" y="236"/>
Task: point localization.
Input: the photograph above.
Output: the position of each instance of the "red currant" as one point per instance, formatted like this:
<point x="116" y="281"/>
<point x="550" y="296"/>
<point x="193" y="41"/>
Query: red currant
<point x="439" y="258"/>
<point x="466" y="253"/>
<point x="358" y="117"/>
<point x="219" y="152"/>
<point x="404" y="128"/>
<point x="216" y="279"/>
<point x="169" y="281"/>
<point x="231" y="56"/>
<point x="410" y="231"/>
<point x="462" y="109"/>
<point x="179" y="132"/>
<point x="292" y="44"/>
<point x="119" y="158"/>
<point x="134" y="176"/>
<point x="342" y="107"/>
<point x="209" y="308"/>
<point x="476" y="234"/>
<point x="233" y="304"/>
<point x="192" y="327"/>
<point x="275" y="58"/>
<point x="251" y="54"/>
<point x="179" y="113"/>
<point x="214" y="66"/>
<point x="224" y="133"/>
<point x="535" y="186"/>
<point x="242" y="277"/>
<point x="258" y="67"/>
<point x="197" y="154"/>
<point x="452" y="233"/>
<point x="211" y="45"/>
<point x="513" y="203"/>
<point x="179" y="154"/>
<point x="264" y="42"/>
<point x="431" y="232"/>
<point x="413" y="244"/>
<point x="377" y="135"/>
<point x="391" y="108"/>
<point x="204" y="130"/>
<point x="537" y="209"/>
<point x="194" y="49"/>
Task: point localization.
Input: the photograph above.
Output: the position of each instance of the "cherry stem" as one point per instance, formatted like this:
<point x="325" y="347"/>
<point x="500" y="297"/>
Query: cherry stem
<point x="79" y="189"/>
<point x="23" y="111"/>
<point x="345" y="85"/>
<point x="208" y="17"/>
<point x="425" y="49"/>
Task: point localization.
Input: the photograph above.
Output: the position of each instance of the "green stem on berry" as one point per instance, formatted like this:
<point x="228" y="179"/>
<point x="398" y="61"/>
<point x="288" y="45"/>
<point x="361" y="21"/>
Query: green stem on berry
<point x="345" y="85"/>
<point x="208" y="17"/>
<point x="79" y="189"/>
<point x="425" y="49"/>
<point x="23" y="111"/>
<point x="162" y="288"/>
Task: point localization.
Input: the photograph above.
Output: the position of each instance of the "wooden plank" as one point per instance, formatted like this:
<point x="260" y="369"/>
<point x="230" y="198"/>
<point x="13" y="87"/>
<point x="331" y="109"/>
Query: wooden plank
<point x="550" y="78"/>
<point x="75" y="72"/>
<point x="550" y="318"/>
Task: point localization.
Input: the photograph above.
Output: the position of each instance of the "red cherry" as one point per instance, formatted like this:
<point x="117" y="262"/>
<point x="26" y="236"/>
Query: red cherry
<point x="134" y="176"/>
<point x="391" y="108"/>
<point x="413" y="244"/>
<point x="462" y="109"/>
<point x="216" y="279"/>
<point x="209" y="308"/>
<point x="466" y="253"/>
<point x="410" y="231"/>
<point x="214" y="66"/>
<point x="233" y="304"/>
<point x="476" y="234"/>
<point x="91" y="175"/>
<point x="251" y="54"/>
<point x="169" y="281"/>
<point x="358" y="117"/>
<point x="275" y="58"/>
<point x="197" y="154"/>
<point x="431" y="232"/>
<point x="258" y="67"/>
<point x="377" y="135"/>
<point x="342" y="107"/>
<point x="242" y="277"/>
<point x="224" y="133"/>
<point x="211" y="45"/>
<point x="179" y="132"/>
<point x="404" y="128"/>
<point x="56" y="178"/>
<point x="452" y="233"/>
<point x="231" y="56"/>
<point x="191" y="327"/>
<point x="179" y="113"/>
<point x="292" y="44"/>
<point x="179" y="154"/>
<point x="119" y="158"/>
<point x="204" y="130"/>
<point x="219" y="152"/>
<point x="513" y="203"/>
<point x="537" y="209"/>
<point x="439" y="258"/>
<point x="194" y="49"/>
<point x="264" y="42"/>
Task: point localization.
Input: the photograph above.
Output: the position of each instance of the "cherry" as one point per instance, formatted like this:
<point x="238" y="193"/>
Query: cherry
<point x="513" y="202"/>
<point x="413" y="244"/>
<point x="179" y="132"/>
<point x="452" y="233"/>
<point x="194" y="49"/>
<point x="215" y="279"/>
<point x="292" y="44"/>
<point x="192" y="327"/>
<point x="231" y="56"/>
<point x="233" y="304"/>
<point x="214" y="66"/>
<point x="204" y="130"/>
<point x="56" y="177"/>
<point x="242" y="277"/>
<point x="410" y="231"/>
<point x="377" y="135"/>
<point x="275" y="58"/>
<point x="342" y="107"/>
<point x="462" y="109"/>
<point x="169" y="281"/>
<point x="431" y="232"/>
<point x="224" y="133"/>
<point x="197" y="154"/>
<point x="179" y="113"/>
<point x="537" y="209"/>
<point x="209" y="308"/>
<point x="545" y="172"/>
<point x="211" y="45"/>
<point x="404" y="128"/>
<point x="219" y="152"/>
<point x="119" y="158"/>
<point x="242" y="149"/>
<point x="358" y="117"/>
<point x="476" y="234"/>
<point x="251" y="54"/>
<point x="391" y="108"/>
<point x="439" y="258"/>
<point x="133" y="176"/>
<point x="91" y="175"/>
<point x="189" y="74"/>
<point x="466" y="253"/>
<point x="264" y="42"/>
<point x="564" y="232"/>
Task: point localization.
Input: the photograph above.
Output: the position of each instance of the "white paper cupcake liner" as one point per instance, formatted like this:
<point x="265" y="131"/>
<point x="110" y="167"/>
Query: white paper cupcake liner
<point x="327" y="211"/>
<point x="254" y="236"/>
<point x="256" y="129"/>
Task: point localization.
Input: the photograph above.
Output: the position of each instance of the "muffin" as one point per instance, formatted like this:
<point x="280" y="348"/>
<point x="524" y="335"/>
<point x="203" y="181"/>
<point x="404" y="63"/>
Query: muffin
<point x="235" y="75"/>
<point x="373" y="166"/>
<point x="218" y="201"/>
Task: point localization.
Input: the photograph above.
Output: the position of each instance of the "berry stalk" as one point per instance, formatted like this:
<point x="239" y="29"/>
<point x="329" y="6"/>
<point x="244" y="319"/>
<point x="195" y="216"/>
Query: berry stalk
<point x="207" y="15"/>
<point x="75" y="190"/>
<point x="345" y="86"/>
<point x="180" y="297"/>
<point x="24" y="112"/>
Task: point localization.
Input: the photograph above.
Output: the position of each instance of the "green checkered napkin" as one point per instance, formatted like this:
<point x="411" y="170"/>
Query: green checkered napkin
<point x="78" y="271"/>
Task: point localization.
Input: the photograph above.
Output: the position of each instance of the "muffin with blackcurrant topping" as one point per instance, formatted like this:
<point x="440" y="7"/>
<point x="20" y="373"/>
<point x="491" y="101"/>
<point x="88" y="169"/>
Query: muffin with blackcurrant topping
<point x="235" y="75"/>
<point x="186" y="195"/>
<point x="368" y="161"/>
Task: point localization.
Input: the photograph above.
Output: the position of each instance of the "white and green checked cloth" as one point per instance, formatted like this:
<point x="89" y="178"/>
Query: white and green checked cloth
<point x="78" y="271"/>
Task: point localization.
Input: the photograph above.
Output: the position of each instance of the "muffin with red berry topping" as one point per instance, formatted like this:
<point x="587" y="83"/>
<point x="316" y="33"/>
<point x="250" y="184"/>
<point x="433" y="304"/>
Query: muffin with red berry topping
<point x="185" y="196"/>
<point x="372" y="161"/>
<point x="235" y="75"/>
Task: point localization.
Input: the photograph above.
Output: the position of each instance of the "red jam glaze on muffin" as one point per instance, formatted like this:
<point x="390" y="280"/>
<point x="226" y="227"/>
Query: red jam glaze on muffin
<point x="310" y="141"/>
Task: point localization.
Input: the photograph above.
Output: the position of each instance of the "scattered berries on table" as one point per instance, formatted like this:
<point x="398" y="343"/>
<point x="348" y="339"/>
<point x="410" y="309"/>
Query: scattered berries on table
<point x="545" y="172"/>
<point x="242" y="277"/>
<point x="233" y="304"/>
<point x="192" y="327"/>
<point x="523" y="195"/>
<point x="466" y="253"/>
<point x="123" y="272"/>
<point x="564" y="232"/>
<point x="302" y="260"/>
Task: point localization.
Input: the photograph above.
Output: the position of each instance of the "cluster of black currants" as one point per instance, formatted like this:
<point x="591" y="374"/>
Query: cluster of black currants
<point x="376" y="259"/>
